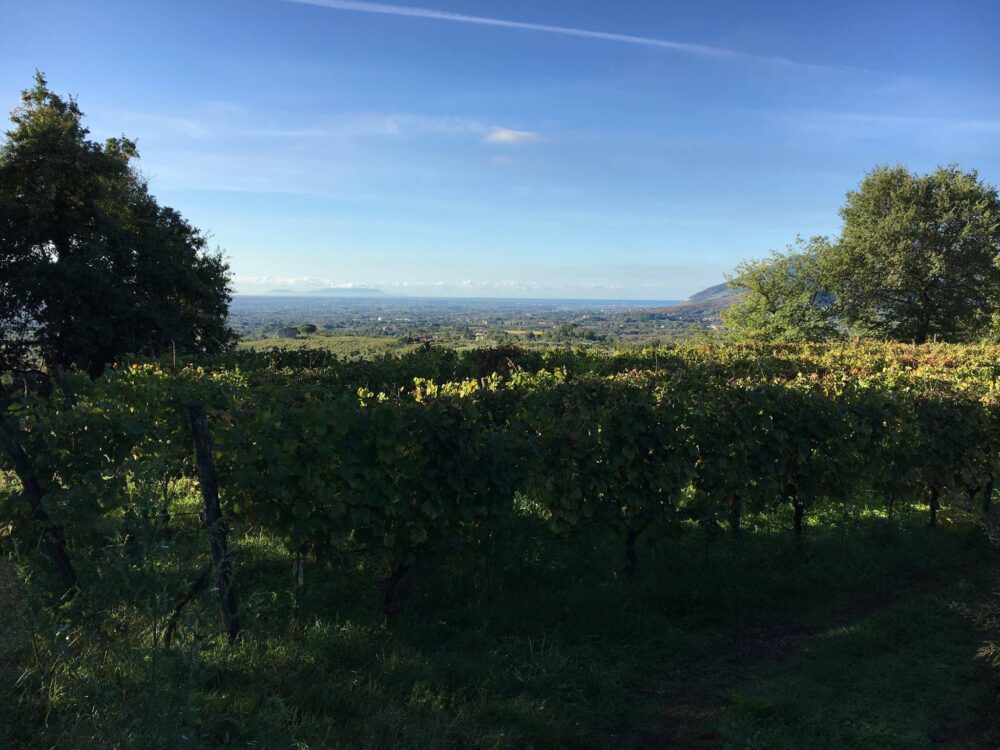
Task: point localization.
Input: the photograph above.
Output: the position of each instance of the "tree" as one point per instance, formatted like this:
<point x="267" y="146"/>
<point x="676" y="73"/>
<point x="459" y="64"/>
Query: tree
<point x="918" y="255"/>
<point x="785" y="296"/>
<point x="91" y="266"/>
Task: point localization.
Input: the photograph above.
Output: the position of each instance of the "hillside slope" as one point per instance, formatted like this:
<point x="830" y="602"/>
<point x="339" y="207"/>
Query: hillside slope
<point x="705" y="306"/>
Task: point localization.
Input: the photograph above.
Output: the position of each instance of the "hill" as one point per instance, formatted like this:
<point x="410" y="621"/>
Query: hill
<point x="705" y="306"/>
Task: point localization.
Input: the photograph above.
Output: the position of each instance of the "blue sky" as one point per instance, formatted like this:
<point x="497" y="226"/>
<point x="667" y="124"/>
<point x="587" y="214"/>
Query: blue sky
<point x="548" y="148"/>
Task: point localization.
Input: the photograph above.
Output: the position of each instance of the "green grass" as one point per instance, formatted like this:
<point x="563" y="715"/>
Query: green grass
<point x="531" y="641"/>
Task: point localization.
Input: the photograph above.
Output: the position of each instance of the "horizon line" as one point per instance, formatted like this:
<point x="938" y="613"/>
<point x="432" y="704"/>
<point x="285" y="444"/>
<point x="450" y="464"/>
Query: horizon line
<point x="317" y="295"/>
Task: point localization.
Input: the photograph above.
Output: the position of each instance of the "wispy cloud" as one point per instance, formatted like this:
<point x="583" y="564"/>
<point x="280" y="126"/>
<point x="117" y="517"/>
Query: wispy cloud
<point x="581" y="286"/>
<point x="373" y="124"/>
<point x="232" y="122"/>
<point x="214" y="121"/>
<point x="301" y="282"/>
<point x="464" y="287"/>
<point x="507" y="136"/>
<point x="702" y="50"/>
<point x="155" y="123"/>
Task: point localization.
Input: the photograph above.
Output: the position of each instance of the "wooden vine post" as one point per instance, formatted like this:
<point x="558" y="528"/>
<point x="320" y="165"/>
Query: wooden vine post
<point x="215" y="523"/>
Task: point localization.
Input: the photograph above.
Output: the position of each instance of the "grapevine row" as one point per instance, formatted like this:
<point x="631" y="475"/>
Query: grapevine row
<point x="340" y="470"/>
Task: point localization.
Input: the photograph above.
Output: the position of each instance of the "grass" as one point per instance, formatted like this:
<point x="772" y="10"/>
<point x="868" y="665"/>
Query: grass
<point x="531" y="641"/>
<point x="899" y="678"/>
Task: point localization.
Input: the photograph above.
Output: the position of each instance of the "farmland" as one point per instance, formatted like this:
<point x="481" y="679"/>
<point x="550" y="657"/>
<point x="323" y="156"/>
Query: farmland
<point x="702" y="546"/>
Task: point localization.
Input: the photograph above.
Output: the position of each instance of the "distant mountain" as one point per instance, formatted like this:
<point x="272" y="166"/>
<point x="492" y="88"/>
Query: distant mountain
<point x="349" y="291"/>
<point x="705" y="306"/>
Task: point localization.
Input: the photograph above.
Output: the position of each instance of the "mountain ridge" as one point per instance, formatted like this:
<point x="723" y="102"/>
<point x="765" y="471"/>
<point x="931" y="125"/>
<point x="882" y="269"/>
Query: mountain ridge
<point x="704" y="306"/>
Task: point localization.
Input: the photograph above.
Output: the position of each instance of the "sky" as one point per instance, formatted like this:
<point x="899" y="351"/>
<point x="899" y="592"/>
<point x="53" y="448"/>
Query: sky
<point x="625" y="149"/>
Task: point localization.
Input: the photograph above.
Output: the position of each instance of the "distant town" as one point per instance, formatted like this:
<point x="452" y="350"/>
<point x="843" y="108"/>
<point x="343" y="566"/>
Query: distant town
<point x="283" y="316"/>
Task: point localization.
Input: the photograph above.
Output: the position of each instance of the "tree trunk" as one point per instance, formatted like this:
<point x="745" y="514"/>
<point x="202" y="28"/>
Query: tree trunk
<point x="933" y="504"/>
<point x="631" y="556"/>
<point x="395" y="594"/>
<point x="987" y="501"/>
<point x="52" y="533"/>
<point x="798" y="516"/>
<point x="736" y="521"/>
<point x="217" y="530"/>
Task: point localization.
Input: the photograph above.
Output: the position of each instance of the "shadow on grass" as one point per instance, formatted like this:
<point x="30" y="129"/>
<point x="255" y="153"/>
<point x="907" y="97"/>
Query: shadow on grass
<point x="527" y="640"/>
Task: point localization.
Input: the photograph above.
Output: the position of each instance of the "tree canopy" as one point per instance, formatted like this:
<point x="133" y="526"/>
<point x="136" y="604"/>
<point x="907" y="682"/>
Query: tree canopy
<point x="918" y="258"/>
<point x="91" y="266"/>
<point x="784" y="296"/>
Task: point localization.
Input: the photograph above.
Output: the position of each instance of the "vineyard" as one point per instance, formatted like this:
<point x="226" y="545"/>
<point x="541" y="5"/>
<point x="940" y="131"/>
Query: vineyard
<point x="193" y="510"/>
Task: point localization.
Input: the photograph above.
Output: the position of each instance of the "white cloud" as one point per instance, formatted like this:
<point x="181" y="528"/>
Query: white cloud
<point x="507" y="136"/>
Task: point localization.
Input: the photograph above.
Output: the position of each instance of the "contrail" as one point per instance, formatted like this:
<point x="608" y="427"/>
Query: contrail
<point x="702" y="50"/>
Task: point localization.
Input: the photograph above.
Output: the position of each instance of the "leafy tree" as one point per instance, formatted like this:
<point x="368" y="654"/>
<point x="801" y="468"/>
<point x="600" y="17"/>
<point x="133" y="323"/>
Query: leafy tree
<point x="91" y="266"/>
<point x="918" y="255"/>
<point x="785" y="297"/>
